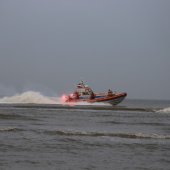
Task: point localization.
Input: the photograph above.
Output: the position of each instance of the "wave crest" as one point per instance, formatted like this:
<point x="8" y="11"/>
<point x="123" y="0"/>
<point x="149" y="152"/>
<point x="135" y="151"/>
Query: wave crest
<point x="8" y="129"/>
<point x="103" y="134"/>
<point x="165" y="110"/>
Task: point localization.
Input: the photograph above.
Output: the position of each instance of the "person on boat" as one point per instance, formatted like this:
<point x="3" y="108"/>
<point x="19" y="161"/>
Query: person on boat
<point x="92" y="95"/>
<point x="110" y="93"/>
<point x="76" y="95"/>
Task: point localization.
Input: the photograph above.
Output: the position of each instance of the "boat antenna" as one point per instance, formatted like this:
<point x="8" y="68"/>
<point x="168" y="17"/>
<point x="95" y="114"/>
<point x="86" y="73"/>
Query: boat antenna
<point x="82" y="81"/>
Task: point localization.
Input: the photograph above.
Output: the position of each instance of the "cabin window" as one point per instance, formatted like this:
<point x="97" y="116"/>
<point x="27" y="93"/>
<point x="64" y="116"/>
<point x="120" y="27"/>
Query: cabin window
<point x="84" y="93"/>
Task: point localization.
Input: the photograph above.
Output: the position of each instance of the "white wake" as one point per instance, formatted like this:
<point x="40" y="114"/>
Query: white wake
<point x="38" y="98"/>
<point x="28" y="97"/>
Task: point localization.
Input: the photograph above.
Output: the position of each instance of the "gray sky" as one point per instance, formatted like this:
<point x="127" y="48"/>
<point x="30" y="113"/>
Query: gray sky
<point x="49" y="45"/>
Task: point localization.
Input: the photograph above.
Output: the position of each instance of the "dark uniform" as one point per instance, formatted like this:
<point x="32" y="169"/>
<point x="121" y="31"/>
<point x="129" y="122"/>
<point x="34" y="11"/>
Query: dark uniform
<point x="110" y="93"/>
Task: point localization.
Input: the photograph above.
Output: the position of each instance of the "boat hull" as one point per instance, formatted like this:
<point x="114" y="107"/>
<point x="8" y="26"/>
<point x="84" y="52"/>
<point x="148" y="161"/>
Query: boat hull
<point x="113" y="100"/>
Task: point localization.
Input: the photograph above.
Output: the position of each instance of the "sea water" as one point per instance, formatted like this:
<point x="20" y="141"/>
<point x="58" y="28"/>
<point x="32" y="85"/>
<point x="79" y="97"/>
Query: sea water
<point x="43" y="135"/>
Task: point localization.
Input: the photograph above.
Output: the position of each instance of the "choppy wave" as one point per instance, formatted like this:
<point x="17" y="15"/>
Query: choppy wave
<point x="107" y="134"/>
<point x="165" y="110"/>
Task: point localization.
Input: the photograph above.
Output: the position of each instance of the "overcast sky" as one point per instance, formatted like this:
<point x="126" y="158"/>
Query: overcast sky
<point x="49" y="45"/>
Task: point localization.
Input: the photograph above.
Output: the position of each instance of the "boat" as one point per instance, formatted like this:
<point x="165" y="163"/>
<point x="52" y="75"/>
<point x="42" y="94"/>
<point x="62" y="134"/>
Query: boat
<point x="84" y="93"/>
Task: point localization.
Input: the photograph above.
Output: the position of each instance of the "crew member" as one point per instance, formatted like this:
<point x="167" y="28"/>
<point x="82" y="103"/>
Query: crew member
<point x="110" y="93"/>
<point x="92" y="96"/>
<point x="76" y="95"/>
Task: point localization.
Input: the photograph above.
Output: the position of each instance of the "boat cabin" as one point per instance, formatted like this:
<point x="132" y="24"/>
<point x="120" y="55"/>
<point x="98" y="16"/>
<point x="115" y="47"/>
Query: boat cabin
<point x="83" y="90"/>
